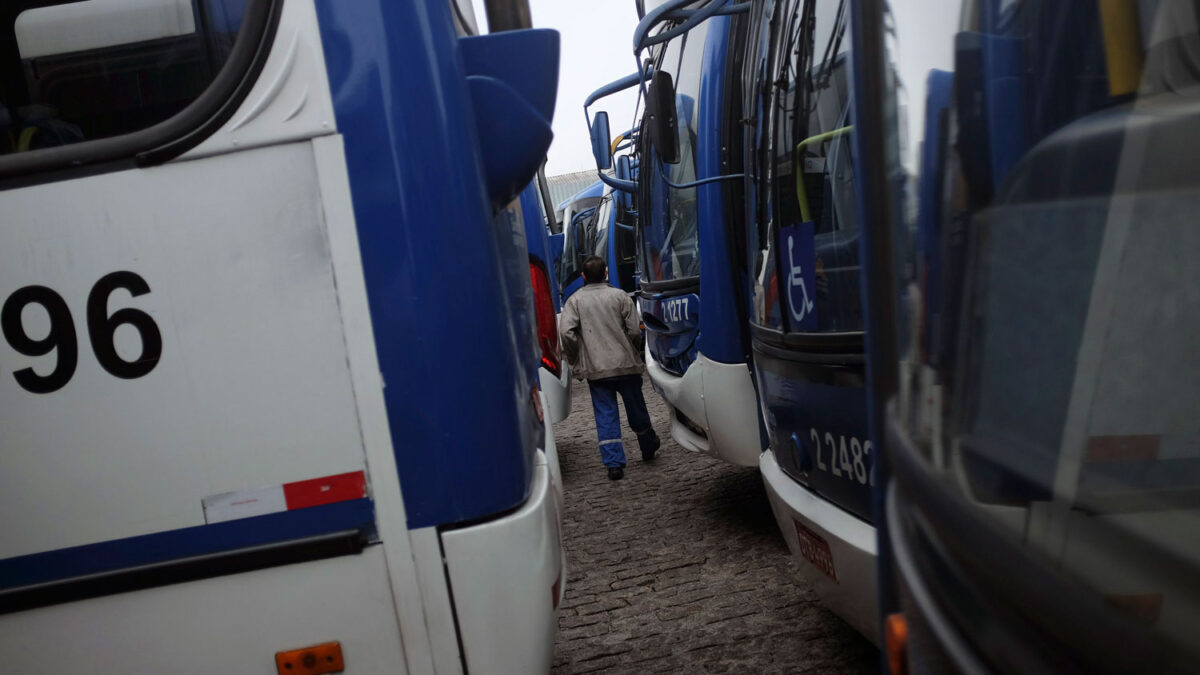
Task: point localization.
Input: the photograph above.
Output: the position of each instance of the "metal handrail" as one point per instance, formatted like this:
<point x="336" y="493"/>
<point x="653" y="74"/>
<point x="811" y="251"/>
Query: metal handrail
<point x="801" y="191"/>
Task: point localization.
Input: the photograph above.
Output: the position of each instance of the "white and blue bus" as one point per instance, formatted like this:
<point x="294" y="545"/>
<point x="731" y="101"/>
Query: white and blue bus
<point x="806" y="322"/>
<point x="553" y="374"/>
<point x="1033" y="311"/>
<point x="580" y="212"/>
<point x="248" y="422"/>
<point x="691" y="278"/>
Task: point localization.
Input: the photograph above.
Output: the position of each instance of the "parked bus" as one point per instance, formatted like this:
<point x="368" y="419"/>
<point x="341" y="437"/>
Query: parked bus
<point x="688" y="197"/>
<point x="553" y="374"/>
<point x="603" y="223"/>
<point x="802" y="239"/>
<point x="614" y="239"/>
<point x="579" y="226"/>
<point x="1032" y="315"/>
<point x="249" y="250"/>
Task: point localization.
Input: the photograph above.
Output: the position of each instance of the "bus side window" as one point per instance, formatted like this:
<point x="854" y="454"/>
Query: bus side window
<point x="80" y="71"/>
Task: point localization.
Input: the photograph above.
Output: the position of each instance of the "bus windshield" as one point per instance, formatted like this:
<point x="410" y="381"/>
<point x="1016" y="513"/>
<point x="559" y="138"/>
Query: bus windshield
<point x="137" y="64"/>
<point x="1049" y="302"/>
<point x="670" y="228"/>
<point x="600" y="233"/>
<point x="577" y="243"/>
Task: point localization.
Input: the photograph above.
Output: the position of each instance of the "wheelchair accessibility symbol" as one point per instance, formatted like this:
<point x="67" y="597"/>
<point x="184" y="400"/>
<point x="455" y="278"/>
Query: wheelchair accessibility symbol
<point x="799" y="280"/>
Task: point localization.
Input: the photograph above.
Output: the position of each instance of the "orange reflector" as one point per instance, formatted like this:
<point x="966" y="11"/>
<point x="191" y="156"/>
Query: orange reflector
<point x="1143" y="448"/>
<point x="1146" y="607"/>
<point x="896" y="641"/>
<point x="322" y="658"/>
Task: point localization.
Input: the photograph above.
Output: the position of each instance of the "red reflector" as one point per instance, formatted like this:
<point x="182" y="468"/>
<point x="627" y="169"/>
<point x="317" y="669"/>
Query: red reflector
<point x="547" y="325"/>
<point x="327" y="490"/>
<point x="1142" y="448"/>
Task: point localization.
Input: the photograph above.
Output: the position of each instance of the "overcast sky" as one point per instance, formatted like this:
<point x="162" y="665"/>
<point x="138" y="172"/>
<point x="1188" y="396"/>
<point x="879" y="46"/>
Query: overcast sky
<point x="597" y="48"/>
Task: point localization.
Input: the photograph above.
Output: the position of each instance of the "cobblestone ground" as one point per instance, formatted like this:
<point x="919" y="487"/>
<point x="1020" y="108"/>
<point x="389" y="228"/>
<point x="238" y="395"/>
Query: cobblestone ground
<point x="680" y="568"/>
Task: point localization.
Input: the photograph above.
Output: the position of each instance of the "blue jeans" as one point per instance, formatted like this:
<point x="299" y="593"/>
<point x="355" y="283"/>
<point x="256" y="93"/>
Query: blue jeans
<point x="608" y="420"/>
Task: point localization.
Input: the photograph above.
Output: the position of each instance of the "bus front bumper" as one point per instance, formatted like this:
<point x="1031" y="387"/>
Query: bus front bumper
<point x="851" y="543"/>
<point x="557" y="391"/>
<point x="719" y="399"/>
<point x="507" y="577"/>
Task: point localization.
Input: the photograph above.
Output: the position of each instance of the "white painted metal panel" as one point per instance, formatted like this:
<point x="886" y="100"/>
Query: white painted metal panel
<point x="502" y="574"/>
<point x="718" y="396"/>
<point x="853" y="596"/>
<point x="390" y="517"/>
<point x="435" y="595"/>
<point x="290" y="100"/>
<point x="231" y="624"/>
<point x="557" y="391"/>
<point x="253" y="386"/>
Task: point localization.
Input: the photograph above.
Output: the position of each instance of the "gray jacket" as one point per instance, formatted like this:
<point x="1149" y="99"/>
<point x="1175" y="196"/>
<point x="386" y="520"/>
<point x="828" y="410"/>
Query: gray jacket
<point x="597" y="331"/>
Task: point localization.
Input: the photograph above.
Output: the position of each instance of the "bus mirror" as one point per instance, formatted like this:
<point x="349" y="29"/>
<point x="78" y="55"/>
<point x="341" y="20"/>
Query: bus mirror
<point x="601" y="141"/>
<point x="660" y="105"/>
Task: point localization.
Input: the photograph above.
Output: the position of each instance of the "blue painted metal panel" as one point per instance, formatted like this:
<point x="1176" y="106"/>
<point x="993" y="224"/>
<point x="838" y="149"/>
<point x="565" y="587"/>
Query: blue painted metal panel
<point x="940" y="87"/>
<point x="513" y="78"/>
<point x="721" y="334"/>
<point x="570" y="288"/>
<point x="510" y="226"/>
<point x="431" y="259"/>
<point x="672" y="327"/>
<point x="189" y="542"/>
<point x="537" y="236"/>
<point x="1004" y="98"/>
<point x="817" y="421"/>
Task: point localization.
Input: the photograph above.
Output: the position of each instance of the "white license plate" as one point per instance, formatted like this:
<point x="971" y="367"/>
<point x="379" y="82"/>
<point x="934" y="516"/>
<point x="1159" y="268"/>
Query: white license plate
<point x="815" y="550"/>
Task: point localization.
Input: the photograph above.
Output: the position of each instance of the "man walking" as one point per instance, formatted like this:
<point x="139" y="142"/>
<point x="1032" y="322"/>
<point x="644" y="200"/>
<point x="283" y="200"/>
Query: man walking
<point x="597" y="330"/>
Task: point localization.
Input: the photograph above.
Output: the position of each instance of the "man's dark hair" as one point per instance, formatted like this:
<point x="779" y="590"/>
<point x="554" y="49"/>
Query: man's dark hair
<point x="594" y="268"/>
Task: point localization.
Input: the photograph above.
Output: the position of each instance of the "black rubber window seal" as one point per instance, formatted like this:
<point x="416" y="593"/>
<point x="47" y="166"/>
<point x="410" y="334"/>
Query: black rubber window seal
<point x="171" y="137"/>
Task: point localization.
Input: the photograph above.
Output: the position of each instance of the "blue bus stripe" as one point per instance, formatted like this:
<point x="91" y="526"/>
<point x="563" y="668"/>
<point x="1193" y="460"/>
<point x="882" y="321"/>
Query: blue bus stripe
<point x="188" y="542"/>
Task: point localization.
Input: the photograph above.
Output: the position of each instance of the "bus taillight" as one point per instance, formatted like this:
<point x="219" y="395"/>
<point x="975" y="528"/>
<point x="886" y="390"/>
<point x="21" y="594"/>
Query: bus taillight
<point x="547" y="327"/>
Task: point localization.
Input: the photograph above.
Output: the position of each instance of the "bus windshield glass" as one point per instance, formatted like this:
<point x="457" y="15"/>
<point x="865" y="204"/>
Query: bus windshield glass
<point x="599" y="235"/>
<point x="577" y="243"/>
<point x="813" y="235"/>
<point x="137" y="63"/>
<point x="1050" y="175"/>
<point x="670" y="228"/>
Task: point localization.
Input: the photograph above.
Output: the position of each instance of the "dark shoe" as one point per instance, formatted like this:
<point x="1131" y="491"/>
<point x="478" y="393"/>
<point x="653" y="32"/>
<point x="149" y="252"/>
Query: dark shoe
<point x="649" y="447"/>
<point x="616" y="472"/>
